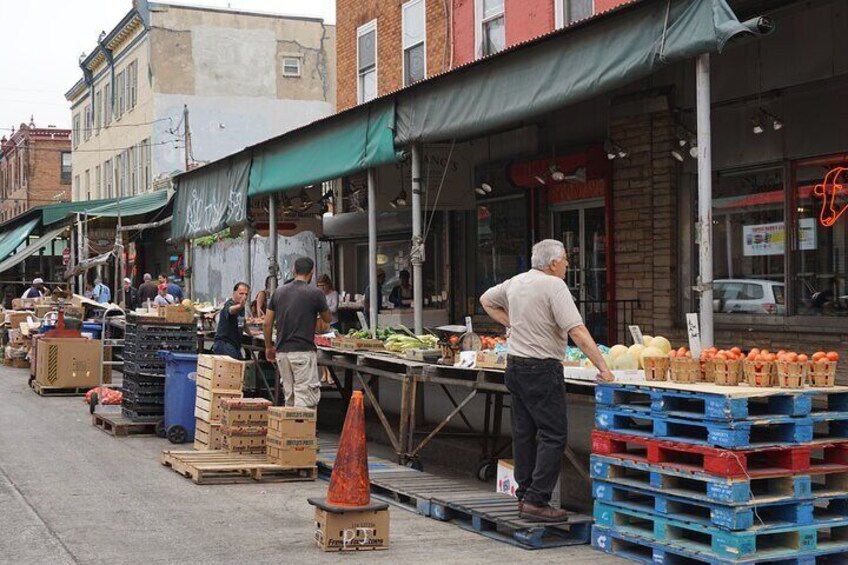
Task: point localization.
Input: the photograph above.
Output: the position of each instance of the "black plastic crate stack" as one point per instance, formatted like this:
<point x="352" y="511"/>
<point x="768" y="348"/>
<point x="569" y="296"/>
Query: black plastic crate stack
<point x="144" y="368"/>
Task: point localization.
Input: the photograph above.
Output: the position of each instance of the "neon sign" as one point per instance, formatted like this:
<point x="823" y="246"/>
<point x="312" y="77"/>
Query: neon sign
<point x="827" y="191"/>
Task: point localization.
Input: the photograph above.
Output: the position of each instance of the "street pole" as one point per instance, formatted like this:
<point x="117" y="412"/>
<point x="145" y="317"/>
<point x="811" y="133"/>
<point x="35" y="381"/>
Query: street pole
<point x="705" y="199"/>
<point x="273" y="266"/>
<point x="373" y="297"/>
<point x="187" y="260"/>
<point x="248" y="260"/>
<point x="417" y="255"/>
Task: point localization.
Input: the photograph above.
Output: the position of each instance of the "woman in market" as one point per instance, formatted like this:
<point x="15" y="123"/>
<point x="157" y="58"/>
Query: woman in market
<point x="325" y="284"/>
<point x="260" y="302"/>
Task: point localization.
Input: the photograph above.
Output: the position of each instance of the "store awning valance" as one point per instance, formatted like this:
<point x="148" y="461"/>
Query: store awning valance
<point x="31" y="249"/>
<point x="578" y="63"/>
<point x="58" y="212"/>
<point x="13" y="237"/>
<point x="328" y="149"/>
<point x="132" y="205"/>
<point x="211" y="198"/>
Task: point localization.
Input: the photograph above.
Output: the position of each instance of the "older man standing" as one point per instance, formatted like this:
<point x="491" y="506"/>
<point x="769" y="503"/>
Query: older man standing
<point x="540" y="313"/>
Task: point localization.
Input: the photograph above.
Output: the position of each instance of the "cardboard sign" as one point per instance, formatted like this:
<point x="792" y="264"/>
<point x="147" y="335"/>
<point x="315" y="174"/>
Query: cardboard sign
<point x="636" y="334"/>
<point x="363" y="323"/>
<point x="694" y="331"/>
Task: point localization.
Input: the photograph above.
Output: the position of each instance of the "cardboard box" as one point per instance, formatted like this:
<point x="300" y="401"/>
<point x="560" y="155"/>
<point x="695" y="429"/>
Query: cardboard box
<point x="207" y="436"/>
<point x="245" y="412"/>
<point x="292" y="452"/>
<point x="20" y="363"/>
<point x="506" y="484"/>
<point x="291" y="422"/>
<point x="176" y="313"/>
<point x="208" y="404"/>
<point x="220" y="371"/>
<point x="352" y="531"/>
<point x="489" y="359"/>
<point x="244" y="440"/>
<point x="69" y="362"/>
<point x="13" y="319"/>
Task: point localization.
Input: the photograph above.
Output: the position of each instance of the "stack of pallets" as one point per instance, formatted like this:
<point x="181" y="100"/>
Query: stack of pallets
<point x="707" y="474"/>
<point x="144" y="368"/>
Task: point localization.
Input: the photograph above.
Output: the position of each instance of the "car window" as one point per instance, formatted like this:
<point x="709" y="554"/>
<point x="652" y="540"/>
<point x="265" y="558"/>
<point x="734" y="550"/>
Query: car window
<point x="752" y="292"/>
<point x="779" y="294"/>
<point x="729" y="291"/>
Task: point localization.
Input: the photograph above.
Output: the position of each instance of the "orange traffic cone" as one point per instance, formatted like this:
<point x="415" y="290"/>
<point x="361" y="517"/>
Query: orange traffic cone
<point x="347" y="519"/>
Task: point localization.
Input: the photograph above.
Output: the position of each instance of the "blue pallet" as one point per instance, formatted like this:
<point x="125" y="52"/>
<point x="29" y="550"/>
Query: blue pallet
<point x="718" y="543"/>
<point x="762" y="517"/>
<point x="774" y="431"/>
<point x="707" y="488"/>
<point x="713" y="406"/>
<point x="651" y="552"/>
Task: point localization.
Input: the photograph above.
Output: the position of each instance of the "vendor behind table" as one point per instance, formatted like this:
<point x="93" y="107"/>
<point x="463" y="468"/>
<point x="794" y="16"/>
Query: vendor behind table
<point x="231" y="323"/>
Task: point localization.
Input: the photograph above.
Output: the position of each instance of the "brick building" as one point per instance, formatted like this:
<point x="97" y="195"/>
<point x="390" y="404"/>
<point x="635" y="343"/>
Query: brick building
<point x="35" y="168"/>
<point x="378" y="39"/>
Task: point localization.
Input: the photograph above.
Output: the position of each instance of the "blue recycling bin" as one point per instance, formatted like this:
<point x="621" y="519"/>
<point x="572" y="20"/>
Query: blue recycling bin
<point x="180" y="395"/>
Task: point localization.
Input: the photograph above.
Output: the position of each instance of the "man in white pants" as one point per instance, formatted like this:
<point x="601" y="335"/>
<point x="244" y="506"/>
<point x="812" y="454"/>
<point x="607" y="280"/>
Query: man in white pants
<point x="295" y="307"/>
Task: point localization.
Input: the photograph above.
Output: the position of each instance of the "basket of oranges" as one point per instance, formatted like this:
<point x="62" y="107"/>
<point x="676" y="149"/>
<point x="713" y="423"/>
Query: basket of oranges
<point x="758" y="367"/>
<point x="723" y="366"/>
<point x="790" y="369"/>
<point x="683" y="368"/>
<point x="656" y="368"/>
<point x="822" y="369"/>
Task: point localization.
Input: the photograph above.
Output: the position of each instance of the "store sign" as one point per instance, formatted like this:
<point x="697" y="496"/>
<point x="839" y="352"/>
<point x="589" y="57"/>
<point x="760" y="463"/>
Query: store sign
<point x="566" y="192"/>
<point x="770" y="239"/>
<point x="828" y="190"/>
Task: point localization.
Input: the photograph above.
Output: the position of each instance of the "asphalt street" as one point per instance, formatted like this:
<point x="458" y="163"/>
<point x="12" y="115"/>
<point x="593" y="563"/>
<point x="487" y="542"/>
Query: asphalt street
<point x="71" y="494"/>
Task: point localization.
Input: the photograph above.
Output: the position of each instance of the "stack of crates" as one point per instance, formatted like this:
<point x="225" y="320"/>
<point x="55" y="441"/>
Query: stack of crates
<point x="218" y="377"/>
<point x="144" y="368"/>
<point x="701" y="474"/>
<point x="244" y="424"/>
<point x="292" y="440"/>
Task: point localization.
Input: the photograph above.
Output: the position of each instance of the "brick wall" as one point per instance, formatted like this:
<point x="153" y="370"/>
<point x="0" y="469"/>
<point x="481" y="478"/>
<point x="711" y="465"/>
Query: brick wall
<point x="351" y="14"/>
<point x="43" y="162"/>
<point x="526" y="19"/>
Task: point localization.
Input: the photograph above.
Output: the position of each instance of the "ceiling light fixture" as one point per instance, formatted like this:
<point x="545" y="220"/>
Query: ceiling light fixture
<point x="556" y="174"/>
<point x="757" y="125"/>
<point x="399" y="201"/>
<point x="776" y="123"/>
<point x="579" y="175"/>
<point x="614" y="150"/>
<point x="678" y="154"/>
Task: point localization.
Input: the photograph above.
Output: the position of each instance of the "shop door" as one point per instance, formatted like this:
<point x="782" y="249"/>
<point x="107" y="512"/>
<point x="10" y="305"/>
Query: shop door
<point x="582" y="229"/>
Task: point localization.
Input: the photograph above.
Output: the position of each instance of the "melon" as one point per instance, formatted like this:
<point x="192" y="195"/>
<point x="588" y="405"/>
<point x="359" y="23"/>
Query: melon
<point x="647" y="340"/>
<point x="661" y="343"/>
<point x="587" y="364"/>
<point x="617" y="350"/>
<point x="187" y="303"/>
<point x="650" y="352"/>
<point x="636" y="350"/>
<point x="625" y="362"/>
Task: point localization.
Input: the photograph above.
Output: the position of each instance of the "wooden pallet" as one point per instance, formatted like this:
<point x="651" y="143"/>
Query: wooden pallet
<point x="220" y="467"/>
<point x="42" y="390"/>
<point x="118" y="425"/>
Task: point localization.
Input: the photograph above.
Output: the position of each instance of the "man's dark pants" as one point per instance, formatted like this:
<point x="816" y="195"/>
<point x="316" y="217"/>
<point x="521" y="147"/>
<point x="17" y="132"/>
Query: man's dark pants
<point x="221" y="347"/>
<point x="538" y="409"/>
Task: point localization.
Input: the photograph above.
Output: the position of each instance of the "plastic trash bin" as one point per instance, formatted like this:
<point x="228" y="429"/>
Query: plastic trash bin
<point x="180" y="395"/>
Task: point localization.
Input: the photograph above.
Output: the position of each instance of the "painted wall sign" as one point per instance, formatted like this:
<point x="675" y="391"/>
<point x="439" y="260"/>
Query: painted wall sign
<point x="827" y="191"/>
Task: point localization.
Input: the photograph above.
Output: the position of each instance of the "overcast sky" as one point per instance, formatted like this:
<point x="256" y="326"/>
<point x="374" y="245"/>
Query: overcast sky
<point x="42" y="41"/>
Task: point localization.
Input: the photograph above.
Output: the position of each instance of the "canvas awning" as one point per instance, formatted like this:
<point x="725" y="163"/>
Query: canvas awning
<point x="211" y="198"/>
<point x="57" y="212"/>
<point x="31" y="249"/>
<point x="591" y="58"/>
<point x="132" y="205"/>
<point x="343" y="144"/>
<point x="13" y="237"/>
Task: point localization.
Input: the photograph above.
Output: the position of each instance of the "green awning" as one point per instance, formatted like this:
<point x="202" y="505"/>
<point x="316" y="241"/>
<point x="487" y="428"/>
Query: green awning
<point x="132" y="205"/>
<point x="211" y="198"/>
<point x="30" y="250"/>
<point x="57" y="212"/>
<point x="346" y="143"/>
<point x="13" y="237"/>
<point x="591" y="58"/>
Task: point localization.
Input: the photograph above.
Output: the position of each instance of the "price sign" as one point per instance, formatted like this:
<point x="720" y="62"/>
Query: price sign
<point x="694" y="331"/>
<point x="636" y="334"/>
<point x="363" y="323"/>
<point x="66" y="256"/>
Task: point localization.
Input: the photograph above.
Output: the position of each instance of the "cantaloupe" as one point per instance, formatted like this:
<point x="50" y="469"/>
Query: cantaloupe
<point x="646" y="340"/>
<point x="187" y="303"/>
<point x="625" y="362"/>
<point x="661" y="343"/>
<point x="617" y="350"/>
<point x="650" y="352"/>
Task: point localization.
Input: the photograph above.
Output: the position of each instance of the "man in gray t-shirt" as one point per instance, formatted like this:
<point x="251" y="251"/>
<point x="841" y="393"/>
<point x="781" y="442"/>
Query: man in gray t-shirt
<point x="295" y="307"/>
<point x="540" y="313"/>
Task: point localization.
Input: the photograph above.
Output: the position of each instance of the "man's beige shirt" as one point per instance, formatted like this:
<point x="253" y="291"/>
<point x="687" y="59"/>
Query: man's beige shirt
<point x="541" y="313"/>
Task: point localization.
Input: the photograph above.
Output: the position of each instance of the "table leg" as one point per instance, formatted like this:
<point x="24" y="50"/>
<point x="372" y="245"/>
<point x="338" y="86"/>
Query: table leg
<point x="379" y="410"/>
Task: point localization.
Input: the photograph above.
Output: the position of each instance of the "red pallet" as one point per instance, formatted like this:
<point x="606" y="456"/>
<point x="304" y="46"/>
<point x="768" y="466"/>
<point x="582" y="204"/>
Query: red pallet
<point x="730" y="463"/>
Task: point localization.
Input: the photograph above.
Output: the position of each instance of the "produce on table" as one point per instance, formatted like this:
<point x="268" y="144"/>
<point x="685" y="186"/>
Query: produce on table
<point x="617" y="350"/>
<point x="625" y="362"/>
<point x="647" y="340"/>
<point x="682" y="352"/>
<point x="400" y="343"/>
<point x="492" y="342"/>
<point x="187" y="303"/>
<point x="636" y="351"/>
<point x="661" y="343"/>
<point x="650" y="351"/>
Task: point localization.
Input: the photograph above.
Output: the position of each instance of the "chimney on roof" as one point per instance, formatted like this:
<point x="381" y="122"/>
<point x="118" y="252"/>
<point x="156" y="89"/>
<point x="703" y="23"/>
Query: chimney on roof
<point x="31" y="121"/>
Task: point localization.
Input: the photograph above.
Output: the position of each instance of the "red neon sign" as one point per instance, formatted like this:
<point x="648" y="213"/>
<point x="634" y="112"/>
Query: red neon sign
<point x="827" y="191"/>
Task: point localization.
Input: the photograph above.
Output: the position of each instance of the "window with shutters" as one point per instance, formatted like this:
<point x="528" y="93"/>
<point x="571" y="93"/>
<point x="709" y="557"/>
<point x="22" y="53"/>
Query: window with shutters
<point x="366" y="61"/>
<point x="414" y="41"/>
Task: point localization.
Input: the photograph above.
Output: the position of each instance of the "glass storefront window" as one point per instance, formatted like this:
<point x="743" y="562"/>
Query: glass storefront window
<point x="749" y="243"/>
<point x="821" y="250"/>
<point x="502" y="246"/>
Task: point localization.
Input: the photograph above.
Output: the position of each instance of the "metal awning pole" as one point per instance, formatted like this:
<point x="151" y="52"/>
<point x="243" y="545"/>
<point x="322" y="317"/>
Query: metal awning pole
<point x="187" y="260"/>
<point x="372" y="253"/>
<point x="80" y="255"/>
<point x="272" y="237"/>
<point x="705" y="198"/>
<point x="417" y="255"/>
<point x="248" y="263"/>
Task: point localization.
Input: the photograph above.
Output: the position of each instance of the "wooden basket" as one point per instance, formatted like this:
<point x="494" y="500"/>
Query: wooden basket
<point x="791" y="375"/>
<point x="822" y="373"/>
<point x="707" y="373"/>
<point x="656" y="368"/>
<point x="685" y="370"/>
<point x="724" y="372"/>
<point x="758" y="373"/>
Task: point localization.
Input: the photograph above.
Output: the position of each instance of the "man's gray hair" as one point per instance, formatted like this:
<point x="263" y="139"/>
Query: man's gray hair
<point x="147" y="277"/>
<point x="546" y="251"/>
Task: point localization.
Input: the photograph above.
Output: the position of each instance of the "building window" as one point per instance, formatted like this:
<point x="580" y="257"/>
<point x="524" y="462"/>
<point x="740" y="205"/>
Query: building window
<point x="120" y="94"/>
<point x="145" y="165"/>
<point x="570" y="11"/>
<point x="108" y="179"/>
<point x="291" y="66"/>
<point x="66" y="167"/>
<point x="98" y="111"/>
<point x="132" y="85"/>
<point x="86" y="134"/>
<point x="98" y="179"/>
<point x="108" y="105"/>
<point x="77" y="195"/>
<point x="88" y="184"/>
<point x="366" y="55"/>
<point x="492" y="27"/>
<point x="76" y="128"/>
<point x="414" y="46"/>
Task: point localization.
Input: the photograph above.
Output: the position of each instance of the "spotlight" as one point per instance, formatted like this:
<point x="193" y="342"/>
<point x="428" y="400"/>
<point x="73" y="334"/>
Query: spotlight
<point x="678" y="154"/>
<point x="693" y="151"/>
<point x="556" y="174"/>
<point x="541" y="179"/>
<point x="776" y="123"/>
<point x="400" y="200"/>
<point x="622" y="152"/>
<point x="578" y="175"/>
<point x="756" y="125"/>
<point x="486" y="188"/>
<point x="611" y="149"/>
